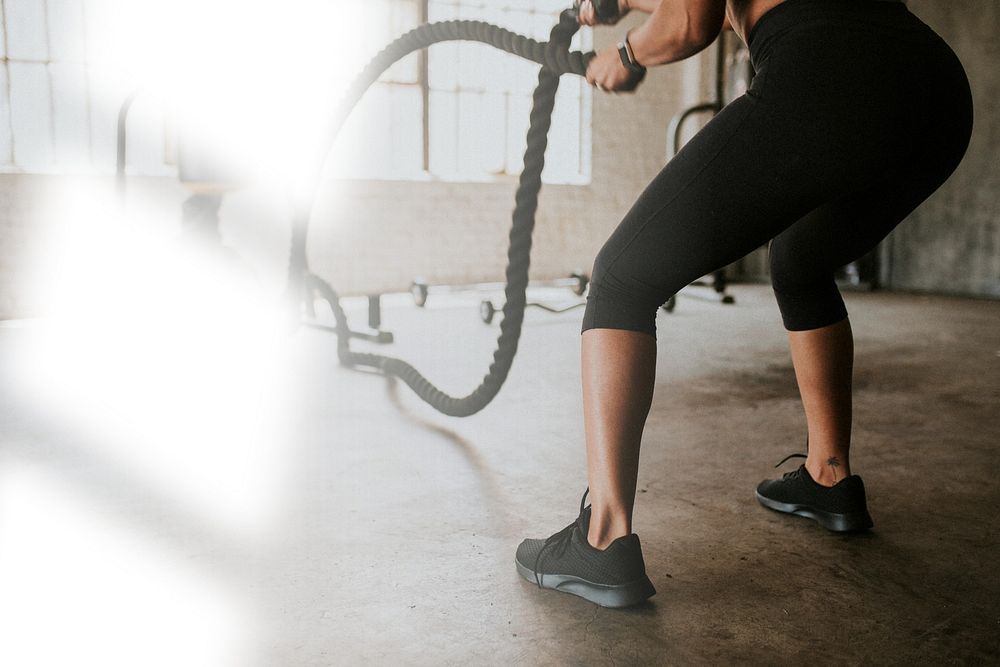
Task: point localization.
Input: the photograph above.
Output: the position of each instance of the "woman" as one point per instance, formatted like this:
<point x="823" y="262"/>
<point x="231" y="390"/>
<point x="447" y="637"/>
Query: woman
<point x="857" y="113"/>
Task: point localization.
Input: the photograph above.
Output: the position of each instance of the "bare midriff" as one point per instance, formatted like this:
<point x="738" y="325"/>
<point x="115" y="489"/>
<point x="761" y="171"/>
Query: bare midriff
<point x="744" y="14"/>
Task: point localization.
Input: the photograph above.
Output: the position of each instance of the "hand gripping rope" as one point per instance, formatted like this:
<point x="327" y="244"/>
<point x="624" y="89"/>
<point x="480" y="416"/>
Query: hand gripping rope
<point x="555" y="59"/>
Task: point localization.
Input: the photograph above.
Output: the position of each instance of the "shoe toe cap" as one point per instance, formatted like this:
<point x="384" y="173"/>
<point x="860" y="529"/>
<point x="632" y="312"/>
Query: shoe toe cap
<point x="528" y="551"/>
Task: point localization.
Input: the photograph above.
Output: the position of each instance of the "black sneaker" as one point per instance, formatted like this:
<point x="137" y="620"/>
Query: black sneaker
<point x="614" y="577"/>
<point x="841" y="508"/>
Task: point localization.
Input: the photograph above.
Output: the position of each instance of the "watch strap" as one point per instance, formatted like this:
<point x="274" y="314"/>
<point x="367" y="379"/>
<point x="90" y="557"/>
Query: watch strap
<point x="628" y="58"/>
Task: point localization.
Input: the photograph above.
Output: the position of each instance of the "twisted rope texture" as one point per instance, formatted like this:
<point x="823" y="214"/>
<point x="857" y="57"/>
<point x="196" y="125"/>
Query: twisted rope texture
<point x="556" y="59"/>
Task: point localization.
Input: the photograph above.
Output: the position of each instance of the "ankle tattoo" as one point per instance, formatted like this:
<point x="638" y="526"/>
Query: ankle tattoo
<point x="834" y="463"/>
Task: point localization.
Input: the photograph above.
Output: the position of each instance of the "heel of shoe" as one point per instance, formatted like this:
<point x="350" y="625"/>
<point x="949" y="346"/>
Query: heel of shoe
<point x="849" y="522"/>
<point x="615" y="597"/>
<point x="854" y="522"/>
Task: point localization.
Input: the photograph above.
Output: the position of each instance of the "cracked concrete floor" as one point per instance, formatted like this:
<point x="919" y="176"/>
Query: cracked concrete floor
<point x="394" y="542"/>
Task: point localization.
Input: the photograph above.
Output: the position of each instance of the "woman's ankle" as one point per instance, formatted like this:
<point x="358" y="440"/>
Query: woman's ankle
<point x="829" y="468"/>
<point x="607" y="525"/>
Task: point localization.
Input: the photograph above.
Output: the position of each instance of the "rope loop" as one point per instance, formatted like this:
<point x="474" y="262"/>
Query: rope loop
<point x="556" y="59"/>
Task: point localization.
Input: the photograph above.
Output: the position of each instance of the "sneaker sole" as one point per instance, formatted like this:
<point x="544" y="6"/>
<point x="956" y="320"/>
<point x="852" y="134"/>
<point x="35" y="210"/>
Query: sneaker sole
<point x="854" y="522"/>
<point x="614" y="596"/>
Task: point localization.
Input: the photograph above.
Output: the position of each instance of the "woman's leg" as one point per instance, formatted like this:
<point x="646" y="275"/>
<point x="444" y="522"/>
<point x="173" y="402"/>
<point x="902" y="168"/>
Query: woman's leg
<point x="803" y="261"/>
<point x="618" y="368"/>
<point x="824" y="360"/>
<point x="679" y="229"/>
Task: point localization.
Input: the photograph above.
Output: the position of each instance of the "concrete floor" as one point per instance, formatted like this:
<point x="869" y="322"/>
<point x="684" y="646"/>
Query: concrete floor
<point x="395" y="541"/>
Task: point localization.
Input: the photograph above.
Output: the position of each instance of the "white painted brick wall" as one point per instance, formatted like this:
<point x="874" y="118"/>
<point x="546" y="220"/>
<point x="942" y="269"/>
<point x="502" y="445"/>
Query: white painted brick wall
<point x="376" y="236"/>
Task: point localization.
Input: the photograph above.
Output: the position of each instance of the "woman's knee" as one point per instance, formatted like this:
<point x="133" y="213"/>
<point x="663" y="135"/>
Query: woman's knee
<point x="620" y="297"/>
<point x="810" y="306"/>
<point x="804" y="287"/>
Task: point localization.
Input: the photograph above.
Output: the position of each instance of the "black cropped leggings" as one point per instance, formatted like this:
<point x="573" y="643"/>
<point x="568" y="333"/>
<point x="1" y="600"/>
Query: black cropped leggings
<point x="857" y="114"/>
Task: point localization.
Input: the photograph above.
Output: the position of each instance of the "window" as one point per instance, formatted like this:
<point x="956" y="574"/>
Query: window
<point x="56" y="113"/>
<point x="460" y="112"/>
<point x="384" y="136"/>
<point x="43" y="117"/>
<point x="464" y="115"/>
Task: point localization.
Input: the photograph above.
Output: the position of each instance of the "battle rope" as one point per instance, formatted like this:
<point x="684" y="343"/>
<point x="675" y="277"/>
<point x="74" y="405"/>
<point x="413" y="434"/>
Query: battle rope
<point x="556" y="59"/>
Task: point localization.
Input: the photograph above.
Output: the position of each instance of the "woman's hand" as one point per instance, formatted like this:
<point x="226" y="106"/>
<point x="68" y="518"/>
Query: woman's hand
<point x="587" y="13"/>
<point x="607" y="72"/>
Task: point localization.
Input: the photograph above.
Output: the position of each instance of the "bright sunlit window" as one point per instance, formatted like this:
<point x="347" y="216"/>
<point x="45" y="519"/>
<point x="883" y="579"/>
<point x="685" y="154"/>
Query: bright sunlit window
<point x="57" y="110"/>
<point x="42" y="63"/>
<point x="458" y="113"/>
<point x="480" y="98"/>
<point x="461" y="113"/>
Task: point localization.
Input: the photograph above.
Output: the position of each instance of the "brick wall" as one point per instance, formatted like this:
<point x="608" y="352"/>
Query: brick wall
<point x="18" y="200"/>
<point x="377" y="236"/>
<point x="374" y="236"/>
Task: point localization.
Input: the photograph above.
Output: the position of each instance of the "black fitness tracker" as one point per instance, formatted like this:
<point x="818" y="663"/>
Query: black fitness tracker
<point x="628" y="58"/>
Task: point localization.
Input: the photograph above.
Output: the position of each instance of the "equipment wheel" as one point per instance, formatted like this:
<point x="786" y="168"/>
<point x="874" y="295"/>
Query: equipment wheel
<point x="419" y="291"/>
<point x="582" y="280"/>
<point x="487" y="310"/>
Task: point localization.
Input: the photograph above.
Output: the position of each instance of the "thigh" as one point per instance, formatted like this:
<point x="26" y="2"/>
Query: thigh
<point x="810" y="142"/>
<point x="735" y="185"/>
<point x="845" y="229"/>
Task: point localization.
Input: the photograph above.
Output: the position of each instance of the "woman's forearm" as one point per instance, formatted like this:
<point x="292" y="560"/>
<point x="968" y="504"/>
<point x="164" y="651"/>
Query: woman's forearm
<point x="675" y="29"/>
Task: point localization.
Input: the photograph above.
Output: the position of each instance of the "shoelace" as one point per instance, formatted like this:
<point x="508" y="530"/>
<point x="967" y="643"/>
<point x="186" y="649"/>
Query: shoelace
<point x="793" y="456"/>
<point x="794" y="472"/>
<point x="560" y="541"/>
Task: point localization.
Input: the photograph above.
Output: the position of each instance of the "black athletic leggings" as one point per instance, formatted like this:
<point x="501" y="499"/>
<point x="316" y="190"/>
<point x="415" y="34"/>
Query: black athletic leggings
<point x="857" y="114"/>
